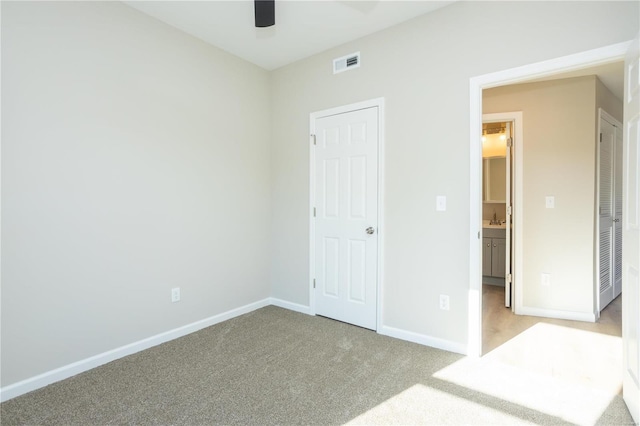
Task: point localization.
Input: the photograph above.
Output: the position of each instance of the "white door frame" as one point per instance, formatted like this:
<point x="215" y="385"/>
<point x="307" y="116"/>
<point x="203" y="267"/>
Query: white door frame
<point x="516" y="201"/>
<point x="379" y="103"/>
<point x="590" y="58"/>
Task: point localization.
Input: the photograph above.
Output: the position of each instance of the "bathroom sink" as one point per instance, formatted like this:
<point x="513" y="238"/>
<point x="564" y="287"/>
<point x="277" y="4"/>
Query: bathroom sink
<point x="487" y="224"/>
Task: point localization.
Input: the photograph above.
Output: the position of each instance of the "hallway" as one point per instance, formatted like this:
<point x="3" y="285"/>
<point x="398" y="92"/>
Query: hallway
<point x="499" y="324"/>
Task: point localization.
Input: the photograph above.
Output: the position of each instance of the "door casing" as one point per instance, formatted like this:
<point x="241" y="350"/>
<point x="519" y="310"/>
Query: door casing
<point x="590" y="58"/>
<point x="379" y="103"/>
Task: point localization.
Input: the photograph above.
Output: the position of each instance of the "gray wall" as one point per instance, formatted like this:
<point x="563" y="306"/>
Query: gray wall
<point x="136" y="158"/>
<point x="559" y="159"/>
<point x="133" y="161"/>
<point x="422" y="68"/>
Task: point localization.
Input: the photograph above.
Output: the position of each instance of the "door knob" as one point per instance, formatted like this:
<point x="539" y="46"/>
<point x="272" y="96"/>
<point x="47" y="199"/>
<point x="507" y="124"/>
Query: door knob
<point x="616" y="220"/>
<point x="370" y="230"/>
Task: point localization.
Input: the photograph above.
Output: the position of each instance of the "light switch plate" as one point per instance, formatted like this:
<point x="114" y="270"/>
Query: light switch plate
<point x="441" y="203"/>
<point x="545" y="279"/>
<point x="550" y="202"/>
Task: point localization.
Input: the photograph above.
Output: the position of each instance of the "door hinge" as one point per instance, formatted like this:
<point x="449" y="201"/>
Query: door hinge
<point x="509" y="210"/>
<point x="314" y="139"/>
<point x="508" y="278"/>
<point x="314" y="283"/>
<point x="314" y="212"/>
<point x="600" y="137"/>
<point x="478" y="234"/>
<point x="509" y="142"/>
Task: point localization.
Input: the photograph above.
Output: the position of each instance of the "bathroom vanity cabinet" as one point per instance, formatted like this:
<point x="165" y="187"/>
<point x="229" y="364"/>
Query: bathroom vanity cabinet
<point x="494" y="250"/>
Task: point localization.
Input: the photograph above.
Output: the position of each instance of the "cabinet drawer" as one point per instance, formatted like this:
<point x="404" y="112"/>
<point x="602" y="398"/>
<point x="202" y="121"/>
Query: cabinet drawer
<point x="494" y="233"/>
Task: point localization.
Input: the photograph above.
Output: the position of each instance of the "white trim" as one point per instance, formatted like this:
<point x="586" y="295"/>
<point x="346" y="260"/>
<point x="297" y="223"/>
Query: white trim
<point x="590" y="58"/>
<point x="290" y="305"/>
<point x="423" y="339"/>
<point x="69" y="370"/>
<point x="379" y="103"/>
<point x="596" y="251"/>
<point x="552" y="313"/>
<point x="609" y="118"/>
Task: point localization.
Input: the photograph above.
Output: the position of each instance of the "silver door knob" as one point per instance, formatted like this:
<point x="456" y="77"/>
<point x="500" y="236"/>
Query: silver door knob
<point x="616" y="220"/>
<point x="370" y="230"/>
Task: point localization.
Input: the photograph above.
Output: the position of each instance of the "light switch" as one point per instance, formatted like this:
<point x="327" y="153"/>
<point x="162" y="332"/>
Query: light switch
<point x="441" y="203"/>
<point x="550" y="202"/>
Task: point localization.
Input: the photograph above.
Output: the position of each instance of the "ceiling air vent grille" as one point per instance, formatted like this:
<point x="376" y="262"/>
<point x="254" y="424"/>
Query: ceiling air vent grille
<point x="346" y="63"/>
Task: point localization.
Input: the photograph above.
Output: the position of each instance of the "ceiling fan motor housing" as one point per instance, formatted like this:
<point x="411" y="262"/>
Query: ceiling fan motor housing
<point x="265" y="11"/>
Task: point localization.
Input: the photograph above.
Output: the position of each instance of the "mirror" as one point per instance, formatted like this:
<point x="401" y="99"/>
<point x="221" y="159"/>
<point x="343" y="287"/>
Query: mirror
<point x="494" y="178"/>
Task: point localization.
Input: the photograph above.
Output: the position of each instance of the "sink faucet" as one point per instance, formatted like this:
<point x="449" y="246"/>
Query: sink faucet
<point x="494" y="221"/>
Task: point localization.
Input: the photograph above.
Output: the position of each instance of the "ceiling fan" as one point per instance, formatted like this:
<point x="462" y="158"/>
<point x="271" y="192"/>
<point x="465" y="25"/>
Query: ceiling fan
<point x="265" y="13"/>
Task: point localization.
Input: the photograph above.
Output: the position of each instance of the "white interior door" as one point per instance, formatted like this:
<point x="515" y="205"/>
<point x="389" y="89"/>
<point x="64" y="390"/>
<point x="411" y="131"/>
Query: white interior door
<point x="606" y="169"/>
<point x="346" y="221"/>
<point x="617" y="213"/>
<point x="631" y="233"/>
<point x="507" y="264"/>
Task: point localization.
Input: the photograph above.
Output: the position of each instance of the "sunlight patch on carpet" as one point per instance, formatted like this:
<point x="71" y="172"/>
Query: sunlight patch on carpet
<point x="420" y="404"/>
<point x="563" y="372"/>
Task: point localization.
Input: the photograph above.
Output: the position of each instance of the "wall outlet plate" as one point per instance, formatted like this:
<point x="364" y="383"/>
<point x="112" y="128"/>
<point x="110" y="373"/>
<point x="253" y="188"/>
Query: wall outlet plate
<point x="550" y="202"/>
<point x="444" y="302"/>
<point x="175" y="294"/>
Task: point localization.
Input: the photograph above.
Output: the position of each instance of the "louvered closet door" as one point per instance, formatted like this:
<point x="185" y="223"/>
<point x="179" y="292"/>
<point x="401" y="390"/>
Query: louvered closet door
<point x="617" y="217"/>
<point x="606" y="210"/>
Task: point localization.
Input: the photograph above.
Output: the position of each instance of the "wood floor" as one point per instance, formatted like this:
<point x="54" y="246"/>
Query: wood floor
<point x="500" y="325"/>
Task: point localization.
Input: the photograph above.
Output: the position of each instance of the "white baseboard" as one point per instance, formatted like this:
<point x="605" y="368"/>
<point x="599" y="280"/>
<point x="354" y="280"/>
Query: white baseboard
<point x="81" y="366"/>
<point x="423" y="339"/>
<point x="42" y="380"/>
<point x="290" y="305"/>
<point x="551" y="313"/>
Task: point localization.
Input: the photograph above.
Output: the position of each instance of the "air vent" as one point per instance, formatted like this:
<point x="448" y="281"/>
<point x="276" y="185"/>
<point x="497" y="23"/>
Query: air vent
<point x="346" y="63"/>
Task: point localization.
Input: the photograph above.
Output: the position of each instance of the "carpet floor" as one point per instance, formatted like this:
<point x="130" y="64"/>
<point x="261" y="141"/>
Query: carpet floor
<point x="275" y="366"/>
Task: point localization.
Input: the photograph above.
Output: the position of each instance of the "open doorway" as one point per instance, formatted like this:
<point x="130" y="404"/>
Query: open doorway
<point x="557" y="279"/>
<point x="521" y="75"/>
<point x="500" y="133"/>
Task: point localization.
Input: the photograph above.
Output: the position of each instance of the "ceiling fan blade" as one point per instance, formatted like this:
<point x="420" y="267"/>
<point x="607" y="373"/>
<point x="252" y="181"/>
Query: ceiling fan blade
<point x="265" y="13"/>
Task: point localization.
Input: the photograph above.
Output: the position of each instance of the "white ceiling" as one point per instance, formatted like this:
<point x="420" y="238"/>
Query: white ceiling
<point x="306" y="27"/>
<point x="611" y="75"/>
<point x="302" y="29"/>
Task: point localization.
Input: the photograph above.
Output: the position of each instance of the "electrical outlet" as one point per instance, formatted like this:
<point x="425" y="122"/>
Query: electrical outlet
<point x="545" y="280"/>
<point x="175" y="294"/>
<point x="441" y="203"/>
<point x="444" y="302"/>
<point x="550" y="202"/>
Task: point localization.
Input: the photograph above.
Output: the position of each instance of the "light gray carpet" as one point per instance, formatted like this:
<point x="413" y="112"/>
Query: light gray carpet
<point x="274" y="366"/>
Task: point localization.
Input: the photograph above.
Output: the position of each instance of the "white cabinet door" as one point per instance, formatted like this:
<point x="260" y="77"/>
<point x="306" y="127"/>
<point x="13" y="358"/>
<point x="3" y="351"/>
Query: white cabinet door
<point x="346" y="223"/>
<point x="631" y="233"/>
